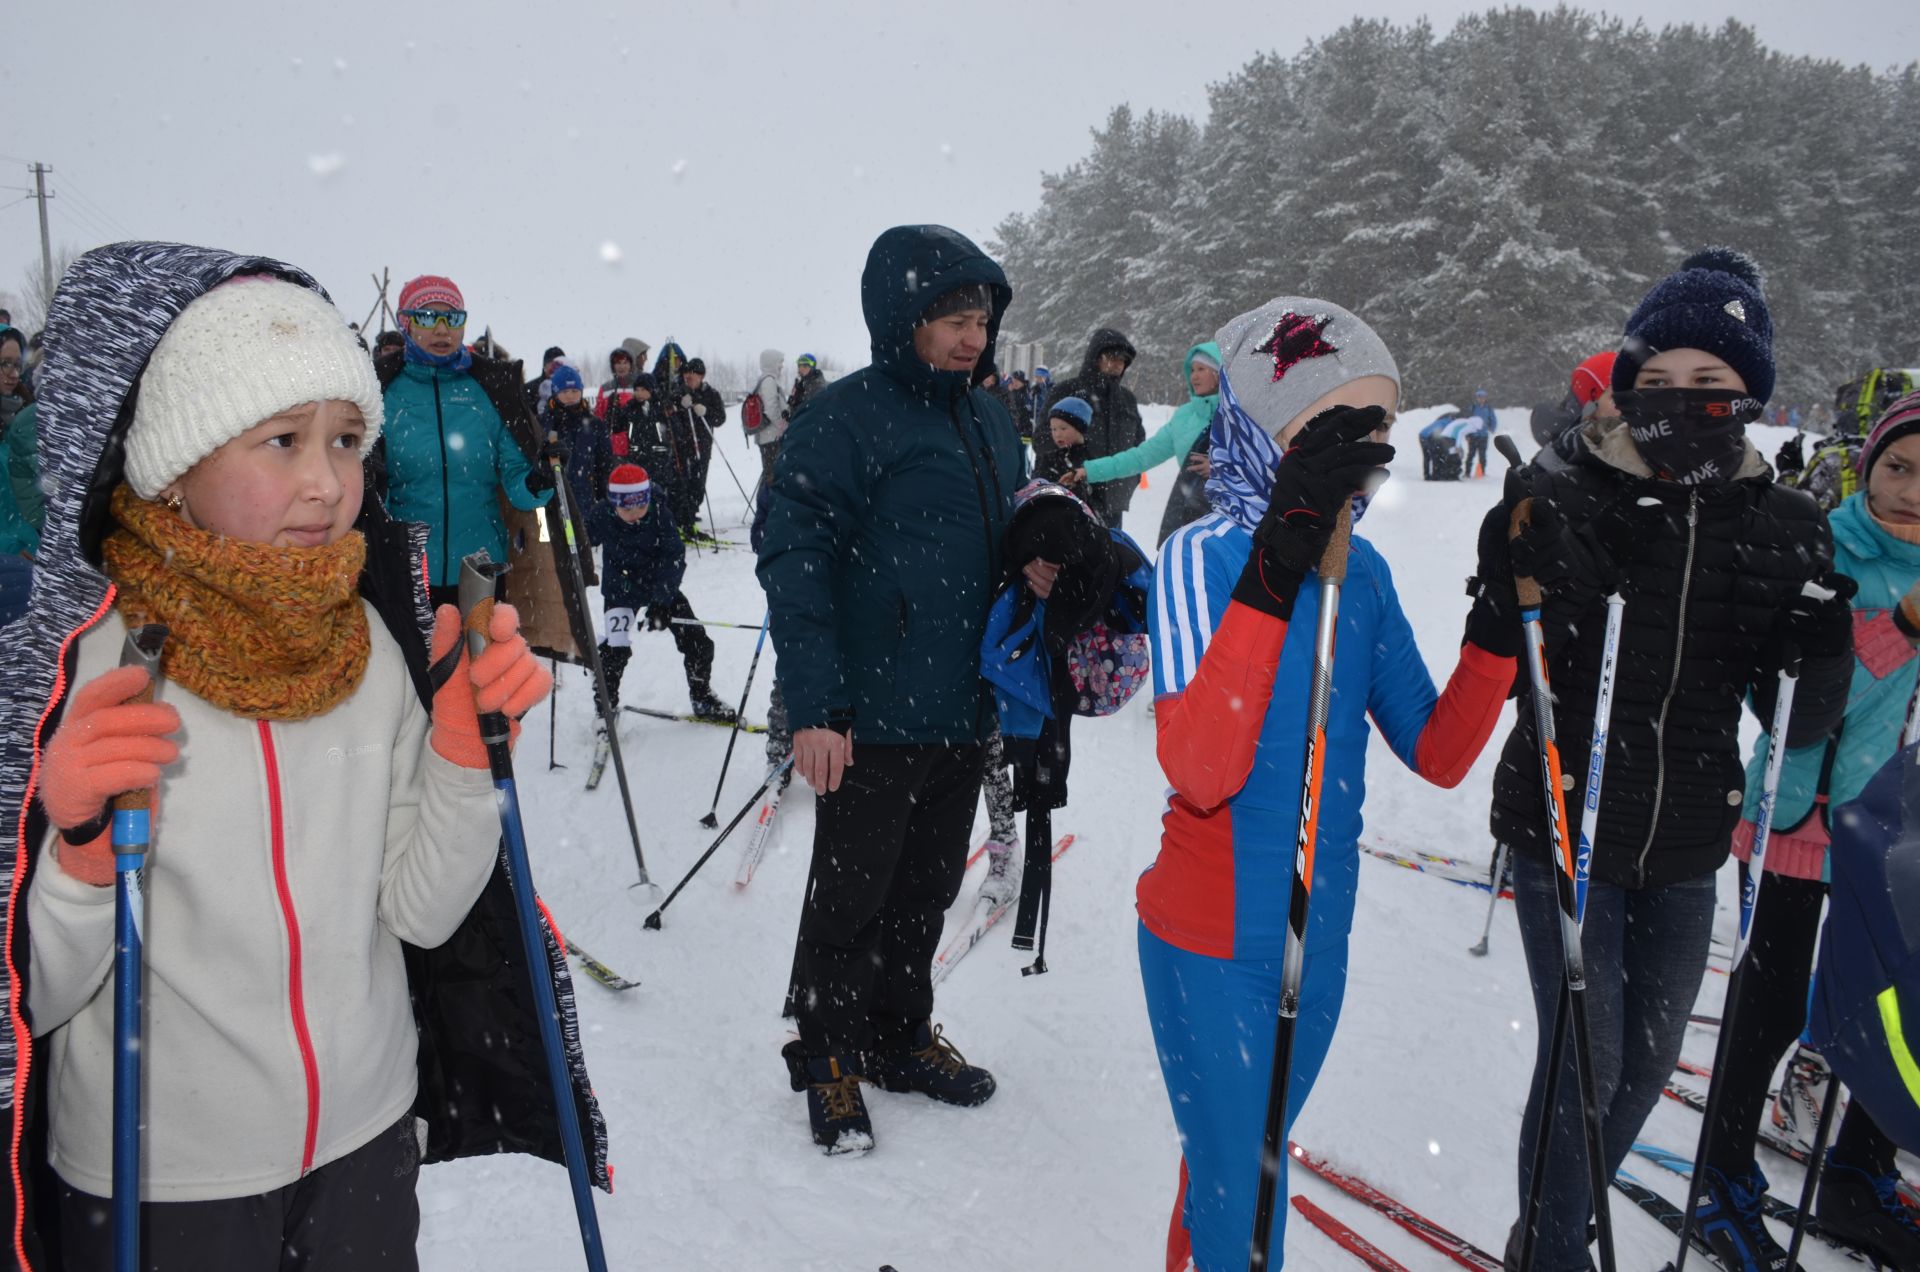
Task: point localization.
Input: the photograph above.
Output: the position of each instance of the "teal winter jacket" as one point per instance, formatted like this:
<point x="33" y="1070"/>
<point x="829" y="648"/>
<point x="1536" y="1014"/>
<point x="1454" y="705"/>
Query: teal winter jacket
<point x="1171" y="440"/>
<point x="890" y="498"/>
<point x="448" y="455"/>
<point x="1885" y="671"/>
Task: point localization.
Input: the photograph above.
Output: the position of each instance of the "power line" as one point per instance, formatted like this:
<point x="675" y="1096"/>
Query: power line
<point x="93" y="204"/>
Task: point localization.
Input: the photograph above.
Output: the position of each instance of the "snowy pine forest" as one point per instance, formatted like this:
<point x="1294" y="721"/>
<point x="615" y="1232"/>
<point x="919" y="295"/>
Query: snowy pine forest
<point x="1493" y="200"/>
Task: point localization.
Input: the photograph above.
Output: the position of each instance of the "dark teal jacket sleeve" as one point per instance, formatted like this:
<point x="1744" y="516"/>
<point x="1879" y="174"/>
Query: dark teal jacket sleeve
<point x="816" y="504"/>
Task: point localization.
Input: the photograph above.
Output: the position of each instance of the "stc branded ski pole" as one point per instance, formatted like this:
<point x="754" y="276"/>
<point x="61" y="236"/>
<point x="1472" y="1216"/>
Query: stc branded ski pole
<point x="477" y="575"/>
<point x="590" y="650"/>
<point x="132" y="832"/>
<point x="1749" y="902"/>
<point x="1571" y="884"/>
<point x="710" y="821"/>
<point x="653" y="920"/>
<point x="1333" y="573"/>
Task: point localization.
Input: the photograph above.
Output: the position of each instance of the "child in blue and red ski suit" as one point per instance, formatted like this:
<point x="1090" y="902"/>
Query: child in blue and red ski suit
<point x="1232" y="621"/>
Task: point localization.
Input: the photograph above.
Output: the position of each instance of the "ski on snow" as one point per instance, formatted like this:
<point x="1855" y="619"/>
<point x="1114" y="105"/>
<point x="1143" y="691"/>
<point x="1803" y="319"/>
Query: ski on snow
<point x="1346" y="1238"/>
<point x="1771" y="1206"/>
<point x="686" y="718"/>
<point x="1662" y="1211"/>
<point x="600" y="971"/>
<point x="602" y="750"/>
<point x="1452" y="869"/>
<point x="1681" y="1093"/>
<point x="1459" y="1249"/>
<point x="756" y="846"/>
<point x="984" y="915"/>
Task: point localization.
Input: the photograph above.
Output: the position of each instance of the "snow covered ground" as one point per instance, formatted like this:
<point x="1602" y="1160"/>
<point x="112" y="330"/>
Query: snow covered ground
<point x="1072" y="1165"/>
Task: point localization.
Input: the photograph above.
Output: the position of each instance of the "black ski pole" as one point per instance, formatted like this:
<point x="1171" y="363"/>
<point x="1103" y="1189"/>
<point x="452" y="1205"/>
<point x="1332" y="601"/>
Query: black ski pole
<point x="731" y="473"/>
<point x="1749" y="902"/>
<point x="1493" y="902"/>
<point x="733" y="736"/>
<point x="590" y="651"/>
<point x="1816" y="1167"/>
<point x="477" y="575"/>
<point x="1570" y="878"/>
<point x="653" y="920"/>
<point x="1333" y="573"/>
<point x="553" y="713"/>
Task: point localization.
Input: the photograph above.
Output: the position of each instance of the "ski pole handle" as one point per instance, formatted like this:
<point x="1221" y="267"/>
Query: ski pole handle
<point x="479" y="575"/>
<point x="1333" y="561"/>
<point x="142" y="649"/>
<point x="1525" y="589"/>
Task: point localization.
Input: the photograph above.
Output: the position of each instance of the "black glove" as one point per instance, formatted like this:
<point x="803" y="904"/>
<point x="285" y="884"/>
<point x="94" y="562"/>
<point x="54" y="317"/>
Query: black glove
<point x="1494" y="621"/>
<point x="1792" y="456"/>
<point x="554" y="449"/>
<point x="540" y="478"/>
<point x="1818" y="628"/>
<point x="1548" y="551"/>
<point x="1328" y="463"/>
<point x="659" y="617"/>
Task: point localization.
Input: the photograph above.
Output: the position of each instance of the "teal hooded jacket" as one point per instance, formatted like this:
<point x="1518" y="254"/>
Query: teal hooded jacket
<point x="1171" y="440"/>
<point x="448" y="457"/>
<point x="1884" y="675"/>
<point x="889" y="502"/>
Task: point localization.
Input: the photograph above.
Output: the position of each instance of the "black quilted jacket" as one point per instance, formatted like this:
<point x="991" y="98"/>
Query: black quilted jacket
<point x="1706" y="570"/>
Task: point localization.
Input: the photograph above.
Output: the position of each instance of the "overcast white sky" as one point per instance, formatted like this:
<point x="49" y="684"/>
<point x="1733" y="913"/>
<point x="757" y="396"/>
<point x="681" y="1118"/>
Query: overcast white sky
<point x="740" y="157"/>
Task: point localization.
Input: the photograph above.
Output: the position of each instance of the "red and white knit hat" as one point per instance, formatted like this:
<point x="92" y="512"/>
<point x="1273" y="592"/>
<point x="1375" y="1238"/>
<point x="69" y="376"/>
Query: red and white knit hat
<point x="628" y="487"/>
<point x="429" y="289"/>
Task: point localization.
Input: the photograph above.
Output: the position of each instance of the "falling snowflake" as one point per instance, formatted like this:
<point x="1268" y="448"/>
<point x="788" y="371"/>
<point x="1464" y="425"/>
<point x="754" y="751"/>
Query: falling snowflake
<point x="325" y="165"/>
<point x="610" y="253"/>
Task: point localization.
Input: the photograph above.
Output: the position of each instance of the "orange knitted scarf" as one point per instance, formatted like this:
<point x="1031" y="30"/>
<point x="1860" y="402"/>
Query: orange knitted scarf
<point x="264" y="632"/>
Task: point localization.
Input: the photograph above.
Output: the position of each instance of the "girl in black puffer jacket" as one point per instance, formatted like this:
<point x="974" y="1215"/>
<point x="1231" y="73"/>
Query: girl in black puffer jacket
<point x="1671" y="505"/>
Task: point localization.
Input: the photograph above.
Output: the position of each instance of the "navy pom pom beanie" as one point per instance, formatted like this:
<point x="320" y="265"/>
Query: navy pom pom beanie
<point x="1713" y="302"/>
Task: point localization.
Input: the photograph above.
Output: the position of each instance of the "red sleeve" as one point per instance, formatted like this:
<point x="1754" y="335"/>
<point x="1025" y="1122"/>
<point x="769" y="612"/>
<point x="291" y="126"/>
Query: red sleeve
<point x="1208" y="732"/>
<point x="1464" y="717"/>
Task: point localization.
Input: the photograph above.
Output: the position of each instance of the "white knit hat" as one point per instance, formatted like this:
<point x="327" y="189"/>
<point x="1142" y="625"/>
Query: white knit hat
<point x="244" y="352"/>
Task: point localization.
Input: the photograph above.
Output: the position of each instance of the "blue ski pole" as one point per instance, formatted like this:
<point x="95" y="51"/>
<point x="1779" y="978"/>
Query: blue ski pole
<point x="477" y="575"/>
<point x="132" y="831"/>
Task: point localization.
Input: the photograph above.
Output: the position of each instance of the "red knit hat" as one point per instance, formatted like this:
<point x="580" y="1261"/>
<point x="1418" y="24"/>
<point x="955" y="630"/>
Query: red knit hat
<point x="1593" y="377"/>
<point x="628" y="487"/>
<point x="429" y="289"/>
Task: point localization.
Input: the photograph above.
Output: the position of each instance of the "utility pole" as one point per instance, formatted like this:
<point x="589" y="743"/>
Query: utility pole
<point x="40" y="171"/>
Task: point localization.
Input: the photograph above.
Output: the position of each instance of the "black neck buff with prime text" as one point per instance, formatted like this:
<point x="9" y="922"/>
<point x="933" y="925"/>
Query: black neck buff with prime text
<point x="1689" y="435"/>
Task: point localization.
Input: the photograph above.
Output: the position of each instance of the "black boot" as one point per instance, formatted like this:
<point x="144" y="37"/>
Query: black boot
<point x="932" y="1066"/>
<point x="1728" y="1218"/>
<point x="708" y="707"/>
<point x="835" y="1108"/>
<point x="1866" y="1211"/>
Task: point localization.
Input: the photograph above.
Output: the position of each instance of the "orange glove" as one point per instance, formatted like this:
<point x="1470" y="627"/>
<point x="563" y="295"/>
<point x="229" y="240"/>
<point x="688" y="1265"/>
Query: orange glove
<point x="104" y="747"/>
<point x="507" y="678"/>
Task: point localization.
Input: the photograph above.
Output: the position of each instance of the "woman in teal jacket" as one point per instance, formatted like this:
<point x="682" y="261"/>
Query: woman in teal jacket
<point x="1175" y="440"/>
<point x="1876" y="541"/>
<point x="448" y="453"/>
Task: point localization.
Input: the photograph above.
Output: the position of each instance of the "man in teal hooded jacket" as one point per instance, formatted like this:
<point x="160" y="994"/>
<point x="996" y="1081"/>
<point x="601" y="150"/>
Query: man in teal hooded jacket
<point x="890" y="498"/>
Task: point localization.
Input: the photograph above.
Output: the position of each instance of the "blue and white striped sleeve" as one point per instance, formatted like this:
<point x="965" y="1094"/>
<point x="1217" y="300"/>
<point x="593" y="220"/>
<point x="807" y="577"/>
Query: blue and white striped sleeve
<point x="1191" y="587"/>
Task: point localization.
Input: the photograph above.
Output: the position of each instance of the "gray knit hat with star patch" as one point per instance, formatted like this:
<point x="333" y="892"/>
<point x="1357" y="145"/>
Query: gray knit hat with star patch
<point x="1293" y="350"/>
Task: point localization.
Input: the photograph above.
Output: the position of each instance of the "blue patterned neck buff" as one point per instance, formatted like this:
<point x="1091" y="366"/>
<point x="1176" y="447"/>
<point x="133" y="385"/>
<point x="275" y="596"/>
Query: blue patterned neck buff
<point x="459" y="360"/>
<point x="1244" y="461"/>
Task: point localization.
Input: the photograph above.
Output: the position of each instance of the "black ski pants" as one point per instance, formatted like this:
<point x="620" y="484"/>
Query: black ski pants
<point x="889" y="852"/>
<point x="695" y="646"/>
<point x="357" y="1213"/>
<point x="1769" y="1016"/>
